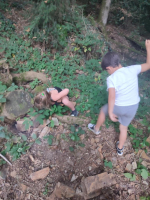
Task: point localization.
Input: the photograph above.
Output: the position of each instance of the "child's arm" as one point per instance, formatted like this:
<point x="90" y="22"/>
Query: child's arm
<point x="60" y="94"/>
<point x="111" y="103"/>
<point x="146" y="66"/>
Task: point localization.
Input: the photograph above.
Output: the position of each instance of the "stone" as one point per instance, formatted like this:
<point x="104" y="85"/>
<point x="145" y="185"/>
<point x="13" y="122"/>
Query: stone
<point x="73" y="120"/>
<point x="5" y="76"/>
<point x="134" y="165"/>
<point x="23" y="187"/>
<point x="3" y="174"/>
<point x="31" y="158"/>
<point x="148" y="140"/>
<point x="13" y="174"/>
<point x="131" y="191"/>
<point x="97" y="140"/>
<point x="44" y="132"/>
<point x="20" y="126"/>
<point x="79" y="192"/>
<point x="144" y="163"/>
<point x="74" y="177"/>
<point x="132" y="197"/>
<point x="41" y="174"/>
<point x="92" y="186"/>
<point x="36" y="123"/>
<point x="128" y="167"/>
<point x="143" y="155"/>
<point x="100" y="153"/>
<point x="63" y="191"/>
<point x="114" y="161"/>
<point x="30" y="76"/>
<point x="55" y="120"/>
<point x="92" y="141"/>
<point x="17" y="104"/>
<point x="145" y="182"/>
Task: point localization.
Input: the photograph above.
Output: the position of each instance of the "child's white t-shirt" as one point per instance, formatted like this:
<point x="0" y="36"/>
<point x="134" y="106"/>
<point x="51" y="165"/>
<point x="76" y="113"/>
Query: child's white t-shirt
<point x="125" y="82"/>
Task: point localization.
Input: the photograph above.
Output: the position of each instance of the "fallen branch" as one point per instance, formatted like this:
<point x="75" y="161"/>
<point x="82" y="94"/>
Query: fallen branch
<point x="5" y="159"/>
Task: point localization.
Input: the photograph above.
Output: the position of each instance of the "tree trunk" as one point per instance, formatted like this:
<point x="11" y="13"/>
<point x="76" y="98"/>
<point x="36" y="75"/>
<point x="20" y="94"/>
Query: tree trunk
<point x="104" y="11"/>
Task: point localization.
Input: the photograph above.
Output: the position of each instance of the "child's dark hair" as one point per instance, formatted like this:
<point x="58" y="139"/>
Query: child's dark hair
<point x="110" y="59"/>
<point x="43" y="100"/>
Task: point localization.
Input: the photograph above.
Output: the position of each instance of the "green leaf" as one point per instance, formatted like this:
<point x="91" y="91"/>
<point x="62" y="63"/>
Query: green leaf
<point x="144" y="173"/>
<point x="108" y="164"/>
<point x="128" y="175"/>
<point x="24" y="137"/>
<point x="40" y="119"/>
<point x="138" y="171"/>
<point x="2" y="118"/>
<point x="71" y="149"/>
<point x="133" y="178"/>
<point x="81" y="145"/>
<point x="38" y="141"/>
<point x="50" y="141"/>
<point x="52" y="123"/>
<point x="34" y="136"/>
<point x="2" y="135"/>
<point x="2" y="100"/>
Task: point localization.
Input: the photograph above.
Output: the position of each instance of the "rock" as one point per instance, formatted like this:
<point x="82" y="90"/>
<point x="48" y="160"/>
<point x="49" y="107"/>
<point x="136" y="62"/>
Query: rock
<point x="2" y="61"/>
<point x="20" y="126"/>
<point x="128" y="167"/>
<point x="100" y="153"/>
<point x="62" y="191"/>
<point x="44" y="132"/>
<point x="30" y="76"/>
<point x="41" y="174"/>
<point x="23" y="187"/>
<point x="92" y="186"/>
<point x="132" y="197"/>
<point x="92" y="141"/>
<point x="3" y="174"/>
<point x="144" y="163"/>
<point x="17" y="104"/>
<point x="55" y="120"/>
<point x="74" y="177"/>
<point x="148" y="140"/>
<point x="28" y="197"/>
<point x="97" y="140"/>
<point x="145" y="182"/>
<point x="5" y="76"/>
<point x="90" y="168"/>
<point x="131" y="191"/>
<point x="114" y="161"/>
<point x="143" y="155"/>
<point x="134" y="165"/>
<point x="73" y="120"/>
<point x="50" y="180"/>
<point x="98" y="161"/>
<point x="31" y="158"/>
<point x="79" y="192"/>
<point x="13" y="174"/>
<point x="36" y="123"/>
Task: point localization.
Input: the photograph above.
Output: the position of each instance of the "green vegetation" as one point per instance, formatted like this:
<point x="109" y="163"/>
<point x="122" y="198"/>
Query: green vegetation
<point x="75" y="136"/>
<point x="75" y="65"/>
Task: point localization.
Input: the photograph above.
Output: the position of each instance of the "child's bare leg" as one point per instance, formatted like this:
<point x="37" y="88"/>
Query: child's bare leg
<point x="66" y="102"/>
<point x="100" y="121"/>
<point x="123" y="135"/>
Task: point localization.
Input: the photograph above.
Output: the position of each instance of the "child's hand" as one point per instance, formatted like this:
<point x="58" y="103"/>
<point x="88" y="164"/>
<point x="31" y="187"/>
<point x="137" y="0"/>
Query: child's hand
<point x="147" y="44"/>
<point x="113" y="117"/>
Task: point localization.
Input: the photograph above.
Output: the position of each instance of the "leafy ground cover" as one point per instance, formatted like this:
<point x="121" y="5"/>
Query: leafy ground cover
<point x="74" y="145"/>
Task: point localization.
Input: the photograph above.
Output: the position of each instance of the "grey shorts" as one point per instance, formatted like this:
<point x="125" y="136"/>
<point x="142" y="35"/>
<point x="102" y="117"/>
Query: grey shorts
<point x="125" y="114"/>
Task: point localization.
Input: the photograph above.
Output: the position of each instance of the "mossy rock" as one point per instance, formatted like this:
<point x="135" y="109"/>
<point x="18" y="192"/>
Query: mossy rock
<point x="39" y="89"/>
<point x="17" y="104"/>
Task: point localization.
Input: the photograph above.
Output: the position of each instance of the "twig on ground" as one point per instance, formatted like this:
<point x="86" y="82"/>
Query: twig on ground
<point x="5" y="159"/>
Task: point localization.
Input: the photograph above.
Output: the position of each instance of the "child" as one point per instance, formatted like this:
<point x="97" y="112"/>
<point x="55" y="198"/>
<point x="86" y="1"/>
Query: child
<point x="123" y="94"/>
<point x="54" y="96"/>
